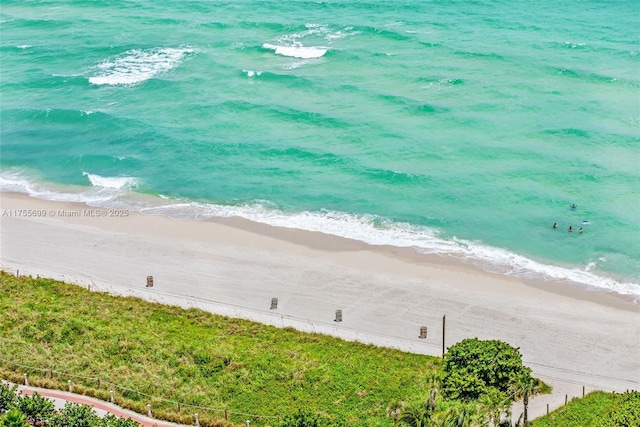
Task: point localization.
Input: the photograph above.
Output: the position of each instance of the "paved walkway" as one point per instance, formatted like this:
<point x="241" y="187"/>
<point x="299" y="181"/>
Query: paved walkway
<point x="60" y="397"/>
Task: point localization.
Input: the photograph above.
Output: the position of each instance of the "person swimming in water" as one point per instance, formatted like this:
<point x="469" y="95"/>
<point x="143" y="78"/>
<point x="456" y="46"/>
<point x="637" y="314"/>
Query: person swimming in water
<point x="573" y="206"/>
<point x="555" y="225"/>
<point x="570" y="229"/>
<point x="580" y="231"/>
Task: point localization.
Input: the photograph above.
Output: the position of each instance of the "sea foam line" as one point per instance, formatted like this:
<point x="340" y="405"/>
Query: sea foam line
<point x="376" y="231"/>
<point x="118" y="192"/>
<point x="103" y="191"/>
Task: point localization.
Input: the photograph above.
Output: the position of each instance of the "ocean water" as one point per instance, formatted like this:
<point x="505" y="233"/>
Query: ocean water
<point x="465" y="128"/>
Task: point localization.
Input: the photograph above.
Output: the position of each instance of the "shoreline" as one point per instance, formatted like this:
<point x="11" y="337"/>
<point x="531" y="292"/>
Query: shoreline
<point x="330" y="243"/>
<point x="316" y="240"/>
<point x="416" y="243"/>
<point x="569" y="336"/>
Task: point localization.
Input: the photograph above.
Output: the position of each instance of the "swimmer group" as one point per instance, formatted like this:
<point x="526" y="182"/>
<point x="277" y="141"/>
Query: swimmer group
<point x="570" y="230"/>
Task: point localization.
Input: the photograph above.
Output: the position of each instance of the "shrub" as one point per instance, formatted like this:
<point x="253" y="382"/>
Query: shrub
<point x="472" y="366"/>
<point x="8" y="397"/>
<point x="14" y="418"/>
<point x="38" y="409"/>
<point x="301" y="419"/>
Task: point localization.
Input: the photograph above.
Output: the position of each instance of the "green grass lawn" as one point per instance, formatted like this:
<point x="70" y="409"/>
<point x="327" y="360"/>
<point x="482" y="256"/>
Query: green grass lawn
<point x="195" y="358"/>
<point x="597" y="409"/>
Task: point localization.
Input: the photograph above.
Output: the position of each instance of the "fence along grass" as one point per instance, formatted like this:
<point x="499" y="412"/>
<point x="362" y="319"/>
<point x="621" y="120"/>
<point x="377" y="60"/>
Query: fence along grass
<point x="179" y="360"/>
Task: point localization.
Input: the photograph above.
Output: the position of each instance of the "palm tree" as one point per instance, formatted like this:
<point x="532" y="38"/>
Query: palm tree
<point x="463" y="415"/>
<point x="495" y="406"/>
<point x="394" y="409"/>
<point x="421" y="415"/>
<point x="524" y="387"/>
<point x="415" y="416"/>
<point x="434" y="382"/>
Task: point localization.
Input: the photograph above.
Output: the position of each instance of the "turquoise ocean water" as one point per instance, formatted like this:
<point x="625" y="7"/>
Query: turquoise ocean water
<point x="456" y="127"/>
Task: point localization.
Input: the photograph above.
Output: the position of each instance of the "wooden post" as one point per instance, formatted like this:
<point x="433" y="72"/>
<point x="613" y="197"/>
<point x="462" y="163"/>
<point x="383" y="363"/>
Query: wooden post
<point x="423" y="332"/>
<point x="582" y="391"/>
<point x="444" y="320"/>
<point x="338" y="316"/>
<point x="26" y="381"/>
<point x="149" y="411"/>
<point x="566" y="398"/>
<point x="547" y="409"/>
<point x="149" y="281"/>
<point x="18" y="273"/>
<point x="70" y="386"/>
<point x="111" y="396"/>
<point x="274" y="303"/>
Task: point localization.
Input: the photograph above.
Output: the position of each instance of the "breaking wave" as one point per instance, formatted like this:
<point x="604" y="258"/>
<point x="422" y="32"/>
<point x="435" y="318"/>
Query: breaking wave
<point x="138" y="65"/>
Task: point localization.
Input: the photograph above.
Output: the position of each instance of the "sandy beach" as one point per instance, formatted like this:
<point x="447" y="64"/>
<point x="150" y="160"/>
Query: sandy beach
<point x="570" y="337"/>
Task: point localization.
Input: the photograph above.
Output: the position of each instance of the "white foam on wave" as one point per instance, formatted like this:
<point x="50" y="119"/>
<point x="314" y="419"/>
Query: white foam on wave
<point x="366" y="228"/>
<point x="318" y="31"/>
<point x="24" y="46"/>
<point x="251" y="73"/>
<point x="309" y="43"/>
<point x="574" y="45"/>
<point x="298" y="51"/>
<point x="104" y="191"/>
<point x="138" y="65"/>
<point x="118" y="182"/>
<point x="14" y="182"/>
<point x="509" y="263"/>
<point x="346" y="32"/>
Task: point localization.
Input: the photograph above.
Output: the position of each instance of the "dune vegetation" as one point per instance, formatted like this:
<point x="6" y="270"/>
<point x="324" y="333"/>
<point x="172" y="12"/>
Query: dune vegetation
<point x="228" y="370"/>
<point x="597" y="409"/>
<point x="186" y="361"/>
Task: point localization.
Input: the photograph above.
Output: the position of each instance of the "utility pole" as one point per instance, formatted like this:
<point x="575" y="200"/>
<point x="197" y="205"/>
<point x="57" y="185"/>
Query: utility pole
<point x="444" y="320"/>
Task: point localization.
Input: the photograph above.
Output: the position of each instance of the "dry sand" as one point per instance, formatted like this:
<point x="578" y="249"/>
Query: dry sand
<point x="570" y="337"/>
